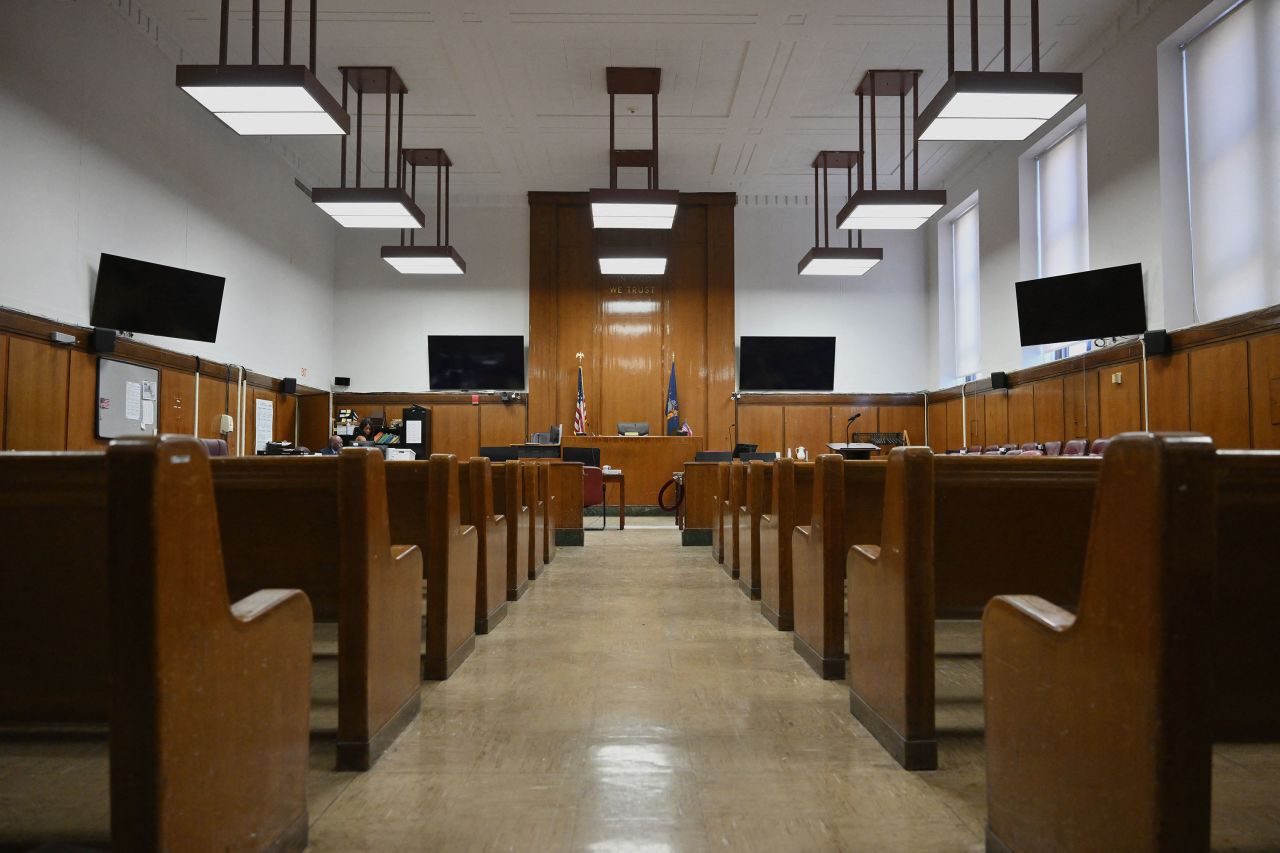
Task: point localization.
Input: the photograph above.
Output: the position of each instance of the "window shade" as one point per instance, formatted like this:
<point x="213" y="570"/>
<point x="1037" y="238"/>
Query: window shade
<point x="966" y="291"/>
<point x="1062" y="197"/>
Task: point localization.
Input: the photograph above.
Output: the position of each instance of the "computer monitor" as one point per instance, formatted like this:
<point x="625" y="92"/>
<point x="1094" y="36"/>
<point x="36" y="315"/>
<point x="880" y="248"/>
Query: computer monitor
<point x="588" y="456"/>
<point x="768" y="456"/>
<point x="499" y="454"/>
<point x="713" y="456"/>
<point x="739" y="449"/>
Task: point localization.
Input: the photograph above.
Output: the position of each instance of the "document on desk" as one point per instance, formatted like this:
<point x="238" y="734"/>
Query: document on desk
<point x="413" y="432"/>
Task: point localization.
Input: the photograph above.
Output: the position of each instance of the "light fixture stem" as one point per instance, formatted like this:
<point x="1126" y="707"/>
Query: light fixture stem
<point x="400" y="146"/>
<point x="386" y="139"/>
<point x="413" y="234"/>
<point x="872" y="95"/>
<point x="359" y="129"/>
<point x="860" y="140"/>
<point x="312" y="46"/>
<point x="1008" y="35"/>
<point x="446" y="204"/>
<point x="655" y="140"/>
<point x="915" y="139"/>
<point x="848" y="175"/>
<point x="613" y="160"/>
<point x="951" y="37"/>
<point x="973" y="32"/>
<point x="826" y="205"/>
<point x="256" y="3"/>
<point x="902" y="141"/>
<point x="1035" y="35"/>
<point x="224" y="25"/>
<point x="344" y="136"/>
<point x="438" y="167"/>
<point x="817" y="200"/>
<point x="288" y="31"/>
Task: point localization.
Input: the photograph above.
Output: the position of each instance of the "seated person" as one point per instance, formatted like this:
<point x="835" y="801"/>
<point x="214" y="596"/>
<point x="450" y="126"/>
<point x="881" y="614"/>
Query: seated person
<point x="335" y="446"/>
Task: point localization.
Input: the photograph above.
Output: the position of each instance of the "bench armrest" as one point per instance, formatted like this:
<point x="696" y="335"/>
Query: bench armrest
<point x="407" y="555"/>
<point x="1029" y="612"/>
<point x="870" y="553"/>
<point x="264" y="601"/>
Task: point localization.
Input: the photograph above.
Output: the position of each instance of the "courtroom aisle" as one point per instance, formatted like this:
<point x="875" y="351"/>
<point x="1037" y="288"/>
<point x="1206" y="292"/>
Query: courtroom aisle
<point x="635" y="700"/>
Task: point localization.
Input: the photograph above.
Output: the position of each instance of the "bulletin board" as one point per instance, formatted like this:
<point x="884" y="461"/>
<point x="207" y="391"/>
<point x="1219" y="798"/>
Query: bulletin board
<point x="128" y="399"/>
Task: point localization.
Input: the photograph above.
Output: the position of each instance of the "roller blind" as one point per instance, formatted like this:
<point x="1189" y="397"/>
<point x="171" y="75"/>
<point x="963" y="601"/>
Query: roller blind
<point x="1231" y="76"/>
<point x="1062" y="199"/>
<point x="966" y="290"/>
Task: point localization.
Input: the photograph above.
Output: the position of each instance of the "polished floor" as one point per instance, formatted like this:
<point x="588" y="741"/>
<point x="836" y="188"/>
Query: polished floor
<point x="634" y="700"/>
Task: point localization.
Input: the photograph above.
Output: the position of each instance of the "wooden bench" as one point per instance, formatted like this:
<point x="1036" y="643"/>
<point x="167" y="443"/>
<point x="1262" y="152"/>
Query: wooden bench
<point x="115" y="609"/>
<point x="423" y="504"/>
<point x="1099" y="726"/>
<point x="957" y="531"/>
<point x="790" y="499"/>
<point x="757" y="486"/>
<point x="719" y="523"/>
<point x="508" y="498"/>
<point x="531" y="492"/>
<point x="476" y="499"/>
<point x="319" y="523"/>
<point x="736" y="497"/>
<point x="550" y="508"/>
<point x="846" y="506"/>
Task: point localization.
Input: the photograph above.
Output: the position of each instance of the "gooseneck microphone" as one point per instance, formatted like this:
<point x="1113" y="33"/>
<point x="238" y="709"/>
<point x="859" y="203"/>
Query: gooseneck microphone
<point x="849" y="427"/>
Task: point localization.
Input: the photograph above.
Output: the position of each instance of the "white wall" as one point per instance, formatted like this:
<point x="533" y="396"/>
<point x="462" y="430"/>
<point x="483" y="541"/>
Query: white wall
<point x="384" y="317"/>
<point x="879" y="320"/>
<point x="100" y="152"/>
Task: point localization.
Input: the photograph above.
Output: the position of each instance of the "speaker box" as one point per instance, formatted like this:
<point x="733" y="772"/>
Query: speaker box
<point x="1157" y="342"/>
<point x="289" y="386"/>
<point x="999" y="379"/>
<point x="342" y="381"/>
<point x="102" y="340"/>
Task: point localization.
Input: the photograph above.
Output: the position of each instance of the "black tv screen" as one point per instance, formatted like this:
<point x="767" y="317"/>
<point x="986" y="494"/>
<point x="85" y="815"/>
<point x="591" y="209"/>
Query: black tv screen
<point x="1105" y="303"/>
<point x="153" y="299"/>
<point x="786" y="364"/>
<point x="476" y="362"/>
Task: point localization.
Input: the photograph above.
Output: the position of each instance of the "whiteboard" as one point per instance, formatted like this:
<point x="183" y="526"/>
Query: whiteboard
<point x="128" y="401"/>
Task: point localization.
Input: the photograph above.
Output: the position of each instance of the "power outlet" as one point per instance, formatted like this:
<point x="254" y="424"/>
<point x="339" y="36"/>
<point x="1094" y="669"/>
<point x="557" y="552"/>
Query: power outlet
<point x="1117" y="378"/>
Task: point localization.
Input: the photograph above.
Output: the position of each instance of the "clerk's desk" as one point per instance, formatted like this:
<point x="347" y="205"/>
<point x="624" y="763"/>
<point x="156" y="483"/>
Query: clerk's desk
<point x="648" y="461"/>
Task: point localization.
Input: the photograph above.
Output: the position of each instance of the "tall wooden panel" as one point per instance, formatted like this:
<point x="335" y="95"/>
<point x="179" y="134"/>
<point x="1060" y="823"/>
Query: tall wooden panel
<point x="1264" y="390"/>
<point x="1022" y="416"/>
<point x="577" y="299"/>
<point x="218" y="397"/>
<point x="455" y="428"/>
<point x="938" y="427"/>
<point x="907" y="419"/>
<point x="685" y="317"/>
<point x="761" y="426"/>
<point x="4" y="379"/>
<point x="808" y="427"/>
<point x="177" y="402"/>
<point x="1080" y="407"/>
<point x="1219" y="380"/>
<point x="1120" y="406"/>
<point x="1049" y="420"/>
<point x="631" y="314"/>
<point x="250" y="425"/>
<point x="504" y="424"/>
<point x="976" y="420"/>
<point x="313" y="421"/>
<point x="720" y="320"/>
<point x="1168" y="393"/>
<point x="286" y="420"/>
<point x="543" y="312"/>
<point x="955" y="424"/>
<point x="82" y="402"/>
<point x="996" y="405"/>
<point x="36" y="401"/>
<point x="869" y="422"/>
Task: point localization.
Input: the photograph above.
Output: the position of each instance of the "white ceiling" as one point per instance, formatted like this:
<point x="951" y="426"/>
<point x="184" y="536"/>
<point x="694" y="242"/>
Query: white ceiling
<point x="751" y="90"/>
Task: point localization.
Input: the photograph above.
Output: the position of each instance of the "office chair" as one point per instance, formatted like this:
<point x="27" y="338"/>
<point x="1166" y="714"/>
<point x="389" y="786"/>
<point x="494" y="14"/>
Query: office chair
<point x="633" y="427"/>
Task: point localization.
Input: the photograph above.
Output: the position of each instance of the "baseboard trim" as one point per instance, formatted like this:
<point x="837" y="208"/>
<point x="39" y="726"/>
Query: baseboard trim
<point x="911" y="754"/>
<point x="830" y="669"/>
<point x="692" y="536"/>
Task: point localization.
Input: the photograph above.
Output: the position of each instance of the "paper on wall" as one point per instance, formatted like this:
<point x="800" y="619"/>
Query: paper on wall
<point x="148" y="412"/>
<point x="413" y="432"/>
<point x="133" y="400"/>
<point x="264" y="421"/>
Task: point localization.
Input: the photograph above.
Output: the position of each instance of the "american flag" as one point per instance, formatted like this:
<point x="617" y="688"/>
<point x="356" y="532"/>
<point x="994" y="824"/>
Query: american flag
<point x="580" y="411"/>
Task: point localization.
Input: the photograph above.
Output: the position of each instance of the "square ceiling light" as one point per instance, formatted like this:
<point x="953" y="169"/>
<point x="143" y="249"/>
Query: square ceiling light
<point x="896" y="210"/>
<point x="996" y="105"/>
<point x="265" y="100"/>
<point x="369" y="207"/>
<point x="425" y="260"/>
<point x="633" y="208"/>
<point x="824" y="260"/>
<point x="632" y="260"/>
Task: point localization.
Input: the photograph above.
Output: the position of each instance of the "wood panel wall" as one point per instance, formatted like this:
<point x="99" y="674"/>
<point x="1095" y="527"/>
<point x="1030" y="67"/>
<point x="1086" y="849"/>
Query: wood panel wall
<point x="458" y="425"/>
<point x="629" y="328"/>
<point x="784" y="422"/>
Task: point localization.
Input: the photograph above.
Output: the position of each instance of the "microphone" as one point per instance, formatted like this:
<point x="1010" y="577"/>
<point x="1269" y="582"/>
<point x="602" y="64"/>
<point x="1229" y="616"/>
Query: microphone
<point x="849" y="428"/>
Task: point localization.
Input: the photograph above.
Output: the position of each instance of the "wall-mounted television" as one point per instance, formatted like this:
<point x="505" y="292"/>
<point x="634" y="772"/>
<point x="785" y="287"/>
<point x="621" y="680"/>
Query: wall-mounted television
<point x="154" y="299"/>
<point x="476" y="362"/>
<point x="786" y="364"/>
<point x="1083" y="306"/>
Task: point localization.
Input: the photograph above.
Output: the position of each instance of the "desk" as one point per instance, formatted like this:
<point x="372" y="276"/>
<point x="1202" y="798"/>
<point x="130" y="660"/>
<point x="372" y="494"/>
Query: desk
<point x="647" y="459"/>
<point x="616" y="476"/>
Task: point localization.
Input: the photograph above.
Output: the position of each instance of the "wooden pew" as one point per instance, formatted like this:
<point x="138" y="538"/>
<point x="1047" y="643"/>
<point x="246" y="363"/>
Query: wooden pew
<point x="116" y="609"/>
<point x="531" y="492"/>
<point x="476" y="499"/>
<point x="423" y="504"/>
<point x="550" y="506"/>
<point x="1099" y="726"/>
<point x="509" y="501"/>
<point x="846" y="506"/>
<point x="757" y="488"/>
<point x="957" y="531"/>
<point x="320" y="523"/>
<point x="719" y="524"/>
<point x="790" y="499"/>
<point x="737" y="496"/>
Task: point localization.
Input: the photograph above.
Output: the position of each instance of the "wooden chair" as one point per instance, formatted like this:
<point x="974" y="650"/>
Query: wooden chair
<point x="130" y="623"/>
<point x="320" y="523"/>
<point x="531" y="492"/>
<point x="476" y="499"/>
<point x="550" y="505"/>
<point x="1099" y="726"/>
<point x="509" y="501"/>
<point x="957" y="530"/>
<point x="847" y="503"/>
<point x="757" y="487"/>
<point x="790" y="499"/>
<point x="424" y="509"/>
<point x="719" y="523"/>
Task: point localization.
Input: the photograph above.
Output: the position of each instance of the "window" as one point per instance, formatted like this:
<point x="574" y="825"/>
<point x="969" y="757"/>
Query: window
<point x="1062" y="218"/>
<point x="966" y="292"/>
<point x="1231" y="103"/>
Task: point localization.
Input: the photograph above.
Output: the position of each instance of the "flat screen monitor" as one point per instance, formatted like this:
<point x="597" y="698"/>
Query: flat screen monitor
<point x="153" y="299"/>
<point x="1105" y="303"/>
<point x="786" y="364"/>
<point x="476" y="362"/>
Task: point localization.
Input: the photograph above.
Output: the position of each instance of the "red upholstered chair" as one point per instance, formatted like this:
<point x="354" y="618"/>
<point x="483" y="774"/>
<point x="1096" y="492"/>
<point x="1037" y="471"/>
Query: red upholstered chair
<point x="1006" y="449"/>
<point x="974" y="449"/>
<point x="1030" y="445"/>
<point x="1099" y="445"/>
<point x="1053" y="448"/>
<point x="1033" y="452"/>
<point x="593" y="491"/>
<point x="1017" y="451"/>
<point x="214" y="446"/>
<point x="1076" y="447"/>
<point x="991" y="450"/>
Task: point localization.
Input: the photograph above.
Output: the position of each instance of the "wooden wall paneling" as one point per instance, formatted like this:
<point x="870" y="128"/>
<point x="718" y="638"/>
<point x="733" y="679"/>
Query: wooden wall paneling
<point x="455" y="428"/>
<point x="284" y="427"/>
<point x="218" y="397"/>
<point x="1050" y="422"/>
<point x="685" y="316"/>
<point x="976" y="418"/>
<point x="720" y="332"/>
<point x="504" y="424"/>
<point x="808" y="427"/>
<point x="938" y="427"/>
<point x="869" y="422"/>
<point x="1022" y="417"/>
<point x="631" y="314"/>
<point x="1080" y="408"/>
<point x="578" y="326"/>
<point x="314" y="426"/>
<point x="761" y="426"/>
<point x="253" y="395"/>
<point x="82" y="402"/>
<point x="908" y="419"/>
<point x="996" y="417"/>
<point x="177" y="402"/>
<point x="4" y="378"/>
<point x="955" y="424"/>
<point x="36" y="402"/>
<point x="543" y="312"/>
<point x="1264" y="390"/>
<point x="1168" y="394"/>
<point x="1219" y="384"/>
<point x="1119" y="406"/>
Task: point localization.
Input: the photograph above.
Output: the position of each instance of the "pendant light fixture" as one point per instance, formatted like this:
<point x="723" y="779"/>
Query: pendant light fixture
<point x="995" y="105"/>
<point x="440" y="259"/>
<point x="265" y="100"/>
<point x="387" y="206"/>
<point x="633" y="208"/>
<point x="900" y="209"/>
<point x="825" y="259"/>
